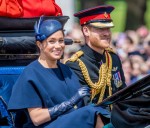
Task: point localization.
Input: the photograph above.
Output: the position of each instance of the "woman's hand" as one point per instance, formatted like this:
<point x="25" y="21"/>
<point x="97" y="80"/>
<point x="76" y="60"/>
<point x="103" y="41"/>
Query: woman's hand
<point x="82" y="92"/>
<point x="39" y="115"/>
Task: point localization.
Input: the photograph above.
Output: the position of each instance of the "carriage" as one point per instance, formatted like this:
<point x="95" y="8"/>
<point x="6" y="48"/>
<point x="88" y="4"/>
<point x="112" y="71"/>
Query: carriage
<point x="131" y="106"/>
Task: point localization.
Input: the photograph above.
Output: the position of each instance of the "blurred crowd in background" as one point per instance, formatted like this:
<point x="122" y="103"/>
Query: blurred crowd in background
<point x="132" y="40"/>
<point x="132" y="46"/>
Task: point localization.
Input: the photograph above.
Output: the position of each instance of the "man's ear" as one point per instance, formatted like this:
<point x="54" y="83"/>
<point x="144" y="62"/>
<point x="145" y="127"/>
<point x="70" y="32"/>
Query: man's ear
<point x="85" y="30"/>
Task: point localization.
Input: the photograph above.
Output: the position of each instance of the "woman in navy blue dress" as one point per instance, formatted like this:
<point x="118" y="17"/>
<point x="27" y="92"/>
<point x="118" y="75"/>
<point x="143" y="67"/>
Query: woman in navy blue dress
<point x="48" y="92"/>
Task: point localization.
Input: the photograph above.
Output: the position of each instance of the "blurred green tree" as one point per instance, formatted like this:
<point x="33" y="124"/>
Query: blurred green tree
<point x="135" y="14"/>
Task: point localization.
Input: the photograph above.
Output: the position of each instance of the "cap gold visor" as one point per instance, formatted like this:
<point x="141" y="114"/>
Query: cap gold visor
<point x="102" y="24"/>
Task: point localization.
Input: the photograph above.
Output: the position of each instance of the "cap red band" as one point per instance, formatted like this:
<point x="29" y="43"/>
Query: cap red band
<point x="103" y="16"/>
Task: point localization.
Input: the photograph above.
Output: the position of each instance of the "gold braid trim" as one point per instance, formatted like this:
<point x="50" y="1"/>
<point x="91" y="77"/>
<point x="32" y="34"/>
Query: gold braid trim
<point x="75" y="56"/>
<point x="104" y="77"/>
<point x="110" y="50"/>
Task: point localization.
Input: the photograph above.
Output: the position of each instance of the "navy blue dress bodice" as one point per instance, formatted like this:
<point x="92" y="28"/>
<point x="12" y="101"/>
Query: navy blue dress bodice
<point x="43" y="87"/>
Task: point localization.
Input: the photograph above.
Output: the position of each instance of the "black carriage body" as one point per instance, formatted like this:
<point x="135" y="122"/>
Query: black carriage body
<point x="17" y="49"/>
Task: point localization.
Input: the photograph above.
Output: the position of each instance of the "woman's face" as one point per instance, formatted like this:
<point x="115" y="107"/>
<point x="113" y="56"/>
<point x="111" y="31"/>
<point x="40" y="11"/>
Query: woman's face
<point x="52" y="48"/>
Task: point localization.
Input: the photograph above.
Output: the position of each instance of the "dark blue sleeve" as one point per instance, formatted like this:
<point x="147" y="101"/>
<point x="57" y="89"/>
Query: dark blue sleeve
<point x="24" y="93"/>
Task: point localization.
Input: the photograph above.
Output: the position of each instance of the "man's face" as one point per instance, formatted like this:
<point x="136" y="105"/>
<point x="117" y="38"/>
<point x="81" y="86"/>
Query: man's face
<point x="99" y="38"/>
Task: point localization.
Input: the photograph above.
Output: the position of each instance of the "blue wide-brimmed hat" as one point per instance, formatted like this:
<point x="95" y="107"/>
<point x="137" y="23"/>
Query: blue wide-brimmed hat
<point x="46" y="27"/>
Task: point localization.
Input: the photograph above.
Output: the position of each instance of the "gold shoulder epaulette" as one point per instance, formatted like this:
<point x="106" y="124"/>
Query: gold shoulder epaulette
<point x="75" y="56"/>
<point x="110" y="50"/>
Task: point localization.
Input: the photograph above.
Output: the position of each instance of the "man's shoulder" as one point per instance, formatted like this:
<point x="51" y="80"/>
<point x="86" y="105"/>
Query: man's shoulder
<point x="113" y="53"/>
<point x="75" y="57"/>
<point x="72" y="62"/>
<point x="115" y="56"/>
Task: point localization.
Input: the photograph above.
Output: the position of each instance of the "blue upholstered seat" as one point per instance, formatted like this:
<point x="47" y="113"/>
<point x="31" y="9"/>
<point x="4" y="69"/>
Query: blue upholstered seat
<point x="8" y="76"/>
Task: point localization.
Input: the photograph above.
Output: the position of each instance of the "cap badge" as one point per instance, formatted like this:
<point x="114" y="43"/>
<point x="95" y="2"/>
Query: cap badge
<point x="106" y="15"/>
